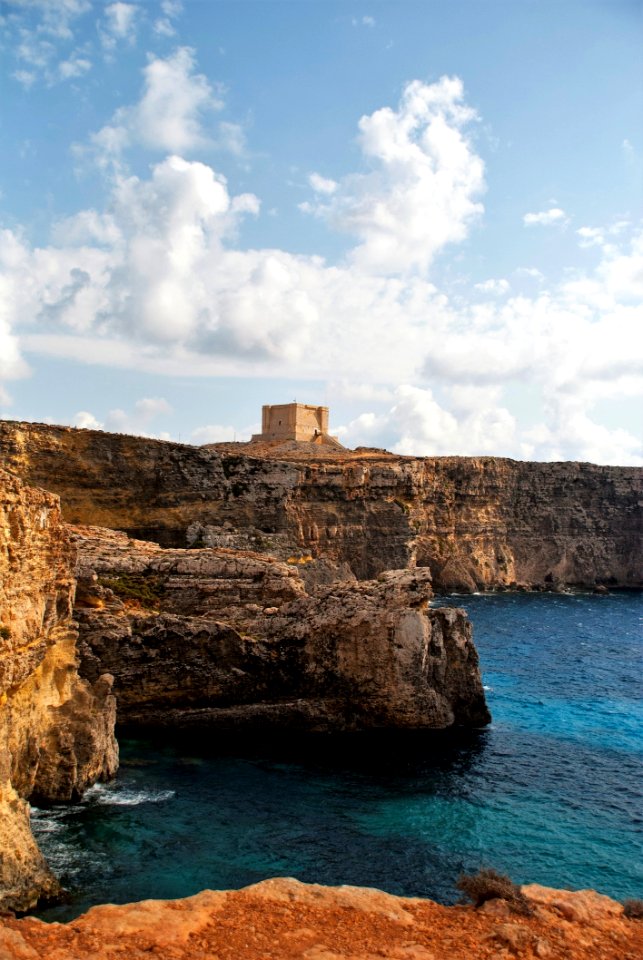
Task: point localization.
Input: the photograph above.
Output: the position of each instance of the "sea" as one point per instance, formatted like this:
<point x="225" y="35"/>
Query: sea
<point x="551" y="792"/>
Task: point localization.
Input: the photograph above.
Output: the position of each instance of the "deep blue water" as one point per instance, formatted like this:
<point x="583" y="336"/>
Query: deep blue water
<point x="551" y="793"/>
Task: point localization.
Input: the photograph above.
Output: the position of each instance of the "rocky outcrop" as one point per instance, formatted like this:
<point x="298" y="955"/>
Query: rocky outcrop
<point x="229" y="639"/>
<point x="283" y="918"/>
<point x="56" y="730"/>
<point x="476" y="523"/>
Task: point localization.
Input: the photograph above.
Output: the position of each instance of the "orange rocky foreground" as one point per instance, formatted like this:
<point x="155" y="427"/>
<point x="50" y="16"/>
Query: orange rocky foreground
<point x="287" y="919"/>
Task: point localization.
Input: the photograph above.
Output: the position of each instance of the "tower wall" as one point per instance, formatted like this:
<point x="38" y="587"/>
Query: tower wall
<point x="293" y="421"/>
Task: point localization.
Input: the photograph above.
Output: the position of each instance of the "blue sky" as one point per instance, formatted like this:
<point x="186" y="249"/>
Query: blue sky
<point x="426" y="215"/>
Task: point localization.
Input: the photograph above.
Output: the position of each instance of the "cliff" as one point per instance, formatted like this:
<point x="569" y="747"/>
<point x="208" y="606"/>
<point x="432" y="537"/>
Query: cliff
<point x="56" y="730"/>
<point x="476" y="523"/>
<point x="232" y="639"/>
<point x="280" y="919"/>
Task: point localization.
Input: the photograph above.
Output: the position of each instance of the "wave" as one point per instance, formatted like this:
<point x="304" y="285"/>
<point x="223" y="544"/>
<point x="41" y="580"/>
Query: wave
<point x="110" y="795"/>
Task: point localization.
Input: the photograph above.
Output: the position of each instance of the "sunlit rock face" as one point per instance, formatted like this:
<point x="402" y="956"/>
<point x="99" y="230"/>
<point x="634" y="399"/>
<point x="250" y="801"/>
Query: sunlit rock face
<point x="232" y="639"/>
<point x="56" y="730"/>
<point x="282" y="918"/>
<point x="476" y="523"/>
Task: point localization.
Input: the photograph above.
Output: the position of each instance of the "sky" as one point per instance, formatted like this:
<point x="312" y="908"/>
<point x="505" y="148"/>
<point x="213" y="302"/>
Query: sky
<point x="427" y="216"/>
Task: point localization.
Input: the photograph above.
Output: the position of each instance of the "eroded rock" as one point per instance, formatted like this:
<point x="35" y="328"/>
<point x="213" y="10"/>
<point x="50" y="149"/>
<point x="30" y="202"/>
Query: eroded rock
<point x="232" y="639"/>
<point x="56" y="730"/>
<point x="476" y="522"/>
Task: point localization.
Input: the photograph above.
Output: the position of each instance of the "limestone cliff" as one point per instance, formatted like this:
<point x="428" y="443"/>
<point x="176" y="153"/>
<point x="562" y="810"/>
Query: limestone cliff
<point x="224" y="638"/>
<point x="283" y="919"/>
<point x="474" y="522"/>
<point x="56" y="730"/>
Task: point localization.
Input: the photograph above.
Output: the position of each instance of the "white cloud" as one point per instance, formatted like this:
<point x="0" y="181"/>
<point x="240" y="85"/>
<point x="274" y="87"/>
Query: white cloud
<point x="602" y="236"/>
<point x="137" y="422"/>
<point x="422" y="189"/>
<point x="232" y="138"/>
<point x="75" y="66"/>
<point x="86" y="421"/>
<point x="628" y="151"/>
<point x="546" y="218"/>
<point x="25" y="77"/>
<point x="169" y="115"/>
<point x="12" y="365"/>
<point x="40" y="30"/>
<point x="171" y="9"/>
<point x="322" y="184"/>
<point x="349" y="390"/>
<point x="215" y="433"/>
<point x="570" y="434"/>
<point x="154" y="283"/>
<point x="533" y="272"/>
<point x="120" y="23"/>
<point x="418" y="425"/>
<point x="496" y="288"/>
<point x="56" y="16"/>
<point x="477" y="424"/>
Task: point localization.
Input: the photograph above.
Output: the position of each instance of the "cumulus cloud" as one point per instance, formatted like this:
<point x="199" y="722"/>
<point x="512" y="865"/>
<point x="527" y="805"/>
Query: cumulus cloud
<point x="569" y="433"/>
<point x="137" y="421"/>
<point x="417" y="424"/>
<point x="155" y="282"/>
<point x="476" y="423"/>
<point x="546" y="218"/>
<point x="86" y="420"/>
<point x="12" y="364"/>
<point x="168" y="117"/>
<point x="421" y="191"/>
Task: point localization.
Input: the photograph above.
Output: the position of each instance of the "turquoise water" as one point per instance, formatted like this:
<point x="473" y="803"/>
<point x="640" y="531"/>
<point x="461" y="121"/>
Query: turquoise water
<point x="551" y="793"/>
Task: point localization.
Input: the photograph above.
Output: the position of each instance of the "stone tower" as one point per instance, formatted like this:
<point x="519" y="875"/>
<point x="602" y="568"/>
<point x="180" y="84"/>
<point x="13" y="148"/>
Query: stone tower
<point x="294" y="421"/>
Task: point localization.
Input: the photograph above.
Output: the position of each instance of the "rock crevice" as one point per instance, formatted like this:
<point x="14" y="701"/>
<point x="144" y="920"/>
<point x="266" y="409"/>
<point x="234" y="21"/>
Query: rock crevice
<point x="56" y="730"/>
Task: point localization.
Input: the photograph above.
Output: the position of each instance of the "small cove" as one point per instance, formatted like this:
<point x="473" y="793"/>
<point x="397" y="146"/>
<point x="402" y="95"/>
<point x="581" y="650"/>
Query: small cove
<point x="550" y="793"/>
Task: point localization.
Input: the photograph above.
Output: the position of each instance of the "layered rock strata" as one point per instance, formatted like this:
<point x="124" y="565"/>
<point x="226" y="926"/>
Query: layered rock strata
<point x="476" y="523"/>
<point x="230" y="639"/>
<point x="287" y="920"/>
<point x="56" y="730"/>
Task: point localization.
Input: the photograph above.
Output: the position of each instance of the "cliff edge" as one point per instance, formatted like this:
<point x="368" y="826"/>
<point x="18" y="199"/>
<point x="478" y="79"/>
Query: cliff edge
<point x="56" y="730"/>
<point x="286" y="920"/>
<point x="232" y="639"/>
<point x="474" y="522"/>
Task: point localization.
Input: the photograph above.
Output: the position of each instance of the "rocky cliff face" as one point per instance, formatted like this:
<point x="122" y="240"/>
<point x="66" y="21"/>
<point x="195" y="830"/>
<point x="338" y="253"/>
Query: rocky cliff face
<point x="56" y="730"/>
<point x="230" y="639"/>
<point x="474" y="522"/>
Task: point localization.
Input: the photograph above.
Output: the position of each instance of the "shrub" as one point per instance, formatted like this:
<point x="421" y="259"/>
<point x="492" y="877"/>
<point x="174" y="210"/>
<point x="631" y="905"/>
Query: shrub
<point x="144" y="590"/>
<point x="633" y="909"/>
<point x="489" y="885"/>
<point x="5" y="633"/>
